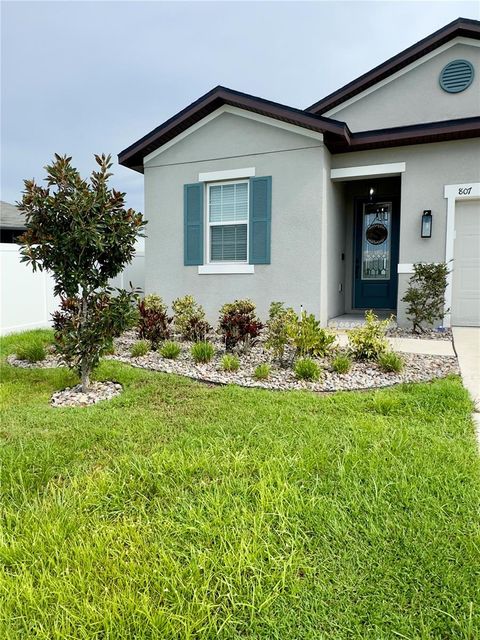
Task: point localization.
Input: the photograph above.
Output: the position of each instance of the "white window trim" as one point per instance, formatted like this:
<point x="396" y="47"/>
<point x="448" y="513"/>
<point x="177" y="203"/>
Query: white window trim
<point x="228" y="267"/>
<point x="230" y="174"/>
<point x="221" y="268"/>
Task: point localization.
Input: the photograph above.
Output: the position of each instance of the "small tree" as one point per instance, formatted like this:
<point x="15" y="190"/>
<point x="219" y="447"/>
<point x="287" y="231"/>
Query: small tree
<point x="426" y="294"/>
<point x="81" y="232"/>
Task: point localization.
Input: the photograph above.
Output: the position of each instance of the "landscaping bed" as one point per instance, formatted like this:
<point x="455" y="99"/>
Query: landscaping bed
<point x="362" y="375"/>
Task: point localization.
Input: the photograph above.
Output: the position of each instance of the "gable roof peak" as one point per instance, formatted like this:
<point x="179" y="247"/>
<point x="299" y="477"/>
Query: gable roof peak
<point x="466" y="27"/>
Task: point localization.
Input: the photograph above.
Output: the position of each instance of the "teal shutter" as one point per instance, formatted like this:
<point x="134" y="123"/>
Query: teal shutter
<point x="193" y="223"/>
<point x="260" y="218"/>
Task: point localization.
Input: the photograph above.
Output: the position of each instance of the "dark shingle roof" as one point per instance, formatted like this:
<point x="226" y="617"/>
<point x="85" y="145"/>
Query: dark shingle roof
<point x="11" y="217"/>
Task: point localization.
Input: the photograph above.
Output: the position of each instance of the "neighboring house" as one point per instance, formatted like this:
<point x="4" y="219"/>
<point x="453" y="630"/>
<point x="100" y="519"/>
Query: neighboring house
<point x="12" y="222"/>
<point x="324" y="207"/>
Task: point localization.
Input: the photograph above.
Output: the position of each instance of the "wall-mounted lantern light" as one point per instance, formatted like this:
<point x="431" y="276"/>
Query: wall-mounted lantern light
<point x="427" y="224"/>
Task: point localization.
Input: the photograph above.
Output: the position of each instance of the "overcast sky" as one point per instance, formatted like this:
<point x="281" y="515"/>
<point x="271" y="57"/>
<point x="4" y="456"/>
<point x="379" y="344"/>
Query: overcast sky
<point x="92" y="77"/>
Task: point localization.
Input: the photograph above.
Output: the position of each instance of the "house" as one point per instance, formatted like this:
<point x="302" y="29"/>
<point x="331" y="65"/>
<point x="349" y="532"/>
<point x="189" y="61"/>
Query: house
<point x="327" y="207"/>
<point x="12" y="222"/>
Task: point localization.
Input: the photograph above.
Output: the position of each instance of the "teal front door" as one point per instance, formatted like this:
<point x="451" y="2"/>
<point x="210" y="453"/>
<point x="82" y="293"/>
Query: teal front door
<point x="377" y="226"/>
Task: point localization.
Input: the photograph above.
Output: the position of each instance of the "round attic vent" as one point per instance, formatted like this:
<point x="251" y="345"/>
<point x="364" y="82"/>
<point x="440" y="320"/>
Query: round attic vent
<point x="456" y="76"/>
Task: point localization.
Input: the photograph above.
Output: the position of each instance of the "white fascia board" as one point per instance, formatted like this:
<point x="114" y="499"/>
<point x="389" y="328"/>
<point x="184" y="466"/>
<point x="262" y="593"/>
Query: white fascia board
<point x="460" y="40"/>
<point x="368" y="171"/>
<point x="238" y="112"/>
<point x="229" y="174"/>
<point x="223" y="269"/>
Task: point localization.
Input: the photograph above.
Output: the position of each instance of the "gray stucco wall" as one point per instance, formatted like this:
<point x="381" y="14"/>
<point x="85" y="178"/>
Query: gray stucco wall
<point x="416" y="96"/>
<point x="295" y="163"/>
<point x="429" y="168"/>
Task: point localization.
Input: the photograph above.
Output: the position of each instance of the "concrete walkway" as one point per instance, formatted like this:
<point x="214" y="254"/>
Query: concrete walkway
<point x="467" y="345"/>
<point x="412" y="345"/>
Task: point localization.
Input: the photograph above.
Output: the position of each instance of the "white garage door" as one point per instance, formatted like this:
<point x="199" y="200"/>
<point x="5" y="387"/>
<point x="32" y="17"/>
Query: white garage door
<point x="466" y="265"/>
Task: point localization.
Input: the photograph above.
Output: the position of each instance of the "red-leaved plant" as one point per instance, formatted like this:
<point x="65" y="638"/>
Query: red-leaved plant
<point x="239" y="325"/>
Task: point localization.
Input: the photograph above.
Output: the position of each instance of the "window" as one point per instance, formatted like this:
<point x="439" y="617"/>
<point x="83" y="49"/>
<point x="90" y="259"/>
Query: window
<point x="227" y="222"/>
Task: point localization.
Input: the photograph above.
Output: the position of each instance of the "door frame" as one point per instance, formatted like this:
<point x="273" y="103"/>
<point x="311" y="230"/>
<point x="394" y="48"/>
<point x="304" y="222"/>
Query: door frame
<point x="358" y="202"/>
<point x="452" y="193"/>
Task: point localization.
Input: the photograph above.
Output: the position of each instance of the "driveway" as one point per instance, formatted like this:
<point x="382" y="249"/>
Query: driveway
<point x="466" y="341"/>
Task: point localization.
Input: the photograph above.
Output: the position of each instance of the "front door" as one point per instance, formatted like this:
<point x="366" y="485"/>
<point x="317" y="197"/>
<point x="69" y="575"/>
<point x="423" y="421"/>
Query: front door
<point x="377" y="226"/>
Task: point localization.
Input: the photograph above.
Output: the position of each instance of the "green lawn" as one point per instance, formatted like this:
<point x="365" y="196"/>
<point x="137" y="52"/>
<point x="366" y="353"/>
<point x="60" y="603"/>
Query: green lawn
<point x="184" y="511"/>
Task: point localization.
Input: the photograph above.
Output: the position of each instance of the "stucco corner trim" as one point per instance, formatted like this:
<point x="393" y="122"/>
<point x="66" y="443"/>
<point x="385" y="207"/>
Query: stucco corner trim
<point x="229" y="174"/>
<point x="368" y="171"/>
<point x="223" y="269"/>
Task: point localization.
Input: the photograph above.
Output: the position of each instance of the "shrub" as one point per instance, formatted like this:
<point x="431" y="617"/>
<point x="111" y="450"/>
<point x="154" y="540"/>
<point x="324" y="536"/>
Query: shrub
<point x="369" y="341"/>
<point x="230" y="362"/>
<point x="239" y="325"/>
<point x="426" y="294"/>
<point x="391" y="362"/>
<point x="33" y="350"/>
<point x="308" y="336"/>
<point x="279" y="319"/>
<point x="154" y="302"/>
<point x="170" y="350"/>
<point x="80" y="231"/>
<point x="307" y="369"/>
<point x="262" y="371"/>
<point x="189" y="319"/>
<point x="82" y="339"/>
<point x="140" y="348"/>
<point x="109" y="349"/>
<point x="202" y="352"/>
<point x="153" y="322"/>
<point x="341" y="363"/>
<point x="197" y="330"/>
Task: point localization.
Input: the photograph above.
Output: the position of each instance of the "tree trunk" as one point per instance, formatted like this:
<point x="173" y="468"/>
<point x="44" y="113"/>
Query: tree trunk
<point x="84" y="363"/>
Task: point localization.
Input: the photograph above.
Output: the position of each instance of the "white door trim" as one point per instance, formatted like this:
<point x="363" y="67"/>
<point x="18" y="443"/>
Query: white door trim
<point x="368" y="171"/>
<point x="454" y="192"/>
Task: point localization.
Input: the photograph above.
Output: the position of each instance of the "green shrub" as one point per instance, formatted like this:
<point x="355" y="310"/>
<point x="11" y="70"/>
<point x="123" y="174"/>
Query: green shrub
<point x="202" y="352"/>
<point x="140" y="348"/>
<point x="341" y="363"/>
<point x="279" y="319"/>
<point x="170" y="350"/>
<point x="369" y="342"/>
<point x="262" y="371"/>
<point x="189" y="319"/>
<point x="108" y="349"/>
<point x="239" y="325"/>
<point x="426" y="294"/>
<point x="32" y="350"/>
<point x="307" y="369"/>
<point x="391" y="362"/>
<point x="230" y="362"/>
<point x="154" y="302"/>
<point x="308" y="337"/>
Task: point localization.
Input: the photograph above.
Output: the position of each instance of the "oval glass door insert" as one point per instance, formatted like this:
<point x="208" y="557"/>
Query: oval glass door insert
<point x="376" y="258"/>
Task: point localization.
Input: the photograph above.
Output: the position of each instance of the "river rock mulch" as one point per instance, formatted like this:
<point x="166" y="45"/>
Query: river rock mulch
<point x="428" y="334"/>
<point x="363" y="375"/>
<point x="74" y="396"/>
<point x="50" y="362"/>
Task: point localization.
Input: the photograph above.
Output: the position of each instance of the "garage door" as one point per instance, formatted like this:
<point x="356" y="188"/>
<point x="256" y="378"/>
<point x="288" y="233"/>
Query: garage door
<point x="466" y="265"/>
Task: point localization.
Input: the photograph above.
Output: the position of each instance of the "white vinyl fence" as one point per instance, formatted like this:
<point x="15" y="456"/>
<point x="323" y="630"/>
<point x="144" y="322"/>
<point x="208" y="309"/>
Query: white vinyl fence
<point x="26" y="298"/>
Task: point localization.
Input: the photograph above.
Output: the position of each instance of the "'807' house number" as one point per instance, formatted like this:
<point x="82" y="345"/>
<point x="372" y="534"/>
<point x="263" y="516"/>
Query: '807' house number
<point x="464" y="191"/>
